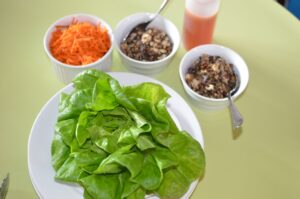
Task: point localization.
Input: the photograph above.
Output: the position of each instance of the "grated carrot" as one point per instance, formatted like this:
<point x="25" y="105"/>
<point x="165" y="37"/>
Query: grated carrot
<point x="79" y="43"/>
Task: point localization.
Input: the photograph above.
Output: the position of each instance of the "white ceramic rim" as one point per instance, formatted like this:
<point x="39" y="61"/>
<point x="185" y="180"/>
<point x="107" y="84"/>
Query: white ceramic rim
<point x="102" y="22"/>
<point x="174" y="48"/>
<point x="240" y="89"/>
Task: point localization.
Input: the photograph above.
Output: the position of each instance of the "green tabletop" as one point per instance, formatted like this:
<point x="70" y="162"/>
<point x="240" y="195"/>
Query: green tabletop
<point x="262" y="163"/>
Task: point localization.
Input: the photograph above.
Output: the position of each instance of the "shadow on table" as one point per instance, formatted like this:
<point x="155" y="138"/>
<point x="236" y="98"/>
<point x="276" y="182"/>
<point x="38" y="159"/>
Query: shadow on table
<point x="236" y="133"/>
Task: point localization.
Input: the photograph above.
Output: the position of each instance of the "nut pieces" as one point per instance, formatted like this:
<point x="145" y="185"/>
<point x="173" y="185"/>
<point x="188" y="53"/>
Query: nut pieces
<point x="151" y="44"/>
<point x="211" y="76"/>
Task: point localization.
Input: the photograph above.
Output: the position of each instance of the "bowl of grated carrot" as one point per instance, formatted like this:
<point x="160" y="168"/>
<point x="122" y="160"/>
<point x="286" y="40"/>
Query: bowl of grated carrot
<point x="78" y="42"/>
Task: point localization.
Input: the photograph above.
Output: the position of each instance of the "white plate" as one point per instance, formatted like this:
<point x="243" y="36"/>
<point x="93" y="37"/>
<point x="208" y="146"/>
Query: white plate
<point x="40" y="139"/>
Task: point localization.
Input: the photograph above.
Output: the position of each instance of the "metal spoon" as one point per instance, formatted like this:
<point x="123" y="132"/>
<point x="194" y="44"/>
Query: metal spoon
<point x="143" y="26"/>
<point x="236" y="117"/>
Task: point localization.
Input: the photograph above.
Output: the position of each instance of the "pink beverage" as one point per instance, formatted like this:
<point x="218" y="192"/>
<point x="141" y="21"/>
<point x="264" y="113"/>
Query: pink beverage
<point x="199" y="22"/>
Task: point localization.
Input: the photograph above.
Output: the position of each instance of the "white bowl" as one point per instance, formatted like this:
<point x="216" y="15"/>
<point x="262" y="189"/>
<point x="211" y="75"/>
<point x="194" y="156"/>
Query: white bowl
<point x="144" y="67"/>
<point x="230" y="56"/>
<point x="66" y="72"/>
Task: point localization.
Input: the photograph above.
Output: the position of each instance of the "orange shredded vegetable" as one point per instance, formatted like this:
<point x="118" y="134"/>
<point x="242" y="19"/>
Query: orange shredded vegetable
<point x="79" y="43"/>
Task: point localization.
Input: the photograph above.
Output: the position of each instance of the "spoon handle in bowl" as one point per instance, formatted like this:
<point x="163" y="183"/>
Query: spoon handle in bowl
<point x="236" y="117"/>
<point x="163" y="5"/>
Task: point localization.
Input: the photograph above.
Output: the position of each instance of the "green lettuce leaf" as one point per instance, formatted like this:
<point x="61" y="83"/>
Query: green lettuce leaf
<point x="124" y="157"/>
<point x="101" y="186"/>
<point x="137" y="194"/>
<point x="105" y="140"/>
<point x="72" y="105"/>
<point x="108" y="186"/>
<point x="121" y="97"/>
<point x="121" y="142"/>
<point x="174" y="185"/>
<point x="126" y="136"/>
<point x="151" y="92"/>
<point x="129" y="187"/>
<point x="66" y="129"/>
<point x="189" y="154"/>
<point x="145" y="142"/>
<point x="82" y="133"/>
<point x="86" y="195"/>
<point x="164" y="157"/>
<point x="59" y="151"/>
<point x="88" y="78"/>
<point x="151" y="176"/>
<point x="88" y="160"/>
<point x="103" y="96"/>
<point x="70" y="171"/>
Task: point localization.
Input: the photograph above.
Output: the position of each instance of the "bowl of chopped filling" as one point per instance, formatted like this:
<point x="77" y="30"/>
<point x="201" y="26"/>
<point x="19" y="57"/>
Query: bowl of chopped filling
<point x="78" y="42"/>
<point x="146" y="50"/>
<point x="209" y="72"/>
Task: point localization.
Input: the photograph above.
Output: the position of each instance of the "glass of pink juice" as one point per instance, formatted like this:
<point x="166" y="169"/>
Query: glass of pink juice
<point x="199" y="22"/>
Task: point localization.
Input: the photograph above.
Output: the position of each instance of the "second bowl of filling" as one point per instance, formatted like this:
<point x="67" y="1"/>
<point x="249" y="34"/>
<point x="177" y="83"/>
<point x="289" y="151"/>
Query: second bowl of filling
<point x="149" y="50"/>
<point x="209" y="72"/>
